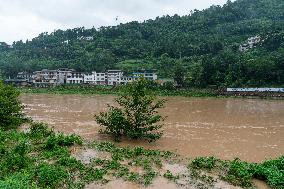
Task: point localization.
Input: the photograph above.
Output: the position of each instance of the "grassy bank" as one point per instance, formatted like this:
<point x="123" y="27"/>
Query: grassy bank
<point x="40" y="158"/>
<point x="76" y="89"/>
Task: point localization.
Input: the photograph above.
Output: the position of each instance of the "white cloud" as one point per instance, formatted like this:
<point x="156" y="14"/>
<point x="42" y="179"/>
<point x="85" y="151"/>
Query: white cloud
<point x="25" y="19"/>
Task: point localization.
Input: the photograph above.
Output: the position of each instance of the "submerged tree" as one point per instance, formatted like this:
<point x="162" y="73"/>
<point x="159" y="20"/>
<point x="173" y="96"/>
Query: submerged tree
<point x="136" y="117"/>
<point x="10" y="107"/>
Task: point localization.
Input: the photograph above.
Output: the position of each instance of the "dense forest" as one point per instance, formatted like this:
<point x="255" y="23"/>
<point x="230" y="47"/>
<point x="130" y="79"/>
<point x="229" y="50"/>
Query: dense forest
<point x="197" y="50"/>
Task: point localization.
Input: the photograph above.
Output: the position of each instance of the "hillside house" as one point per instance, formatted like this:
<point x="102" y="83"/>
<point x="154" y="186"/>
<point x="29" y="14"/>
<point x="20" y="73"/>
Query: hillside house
<point x="251" y="43"/>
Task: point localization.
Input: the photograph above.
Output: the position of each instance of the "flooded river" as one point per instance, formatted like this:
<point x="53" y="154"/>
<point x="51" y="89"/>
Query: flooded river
<point x="251" y="129"/>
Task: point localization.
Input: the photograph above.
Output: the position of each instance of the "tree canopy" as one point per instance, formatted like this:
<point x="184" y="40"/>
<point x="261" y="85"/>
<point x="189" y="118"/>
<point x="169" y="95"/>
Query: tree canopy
<point x="205" y="43"/>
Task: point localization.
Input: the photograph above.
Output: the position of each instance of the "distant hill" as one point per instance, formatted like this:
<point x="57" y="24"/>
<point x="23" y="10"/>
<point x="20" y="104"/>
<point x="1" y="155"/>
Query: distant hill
<point x="203" y="46"/>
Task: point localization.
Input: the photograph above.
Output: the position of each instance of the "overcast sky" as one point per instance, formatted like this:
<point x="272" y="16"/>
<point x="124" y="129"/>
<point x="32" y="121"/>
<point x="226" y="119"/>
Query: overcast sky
<point x="25" y="19"/>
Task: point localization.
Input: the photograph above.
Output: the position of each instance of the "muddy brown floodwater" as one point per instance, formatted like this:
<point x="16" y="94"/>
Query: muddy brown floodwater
<point x="251" y="129"/>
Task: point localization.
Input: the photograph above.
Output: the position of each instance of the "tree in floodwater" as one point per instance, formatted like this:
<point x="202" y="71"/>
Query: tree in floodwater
<point x="11" y="114"/>
<point x="136" y="117"/>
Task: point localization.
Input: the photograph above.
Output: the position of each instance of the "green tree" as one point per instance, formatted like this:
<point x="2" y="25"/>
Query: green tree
<point x="11" y="115"/>
<point x="136" y="117"/>
<point x="179" y="74"/>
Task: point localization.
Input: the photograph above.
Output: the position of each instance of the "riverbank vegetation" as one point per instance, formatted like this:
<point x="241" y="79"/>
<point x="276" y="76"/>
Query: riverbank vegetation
<point x="167" y="90"/>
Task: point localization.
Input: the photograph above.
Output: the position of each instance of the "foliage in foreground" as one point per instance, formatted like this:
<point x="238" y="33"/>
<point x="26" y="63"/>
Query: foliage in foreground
<point x="41" y="158"/>
<point x="38" y="158"/>
<point x="241" y="173"/>
<point x="10" y="107"/>
<point x="136" y="117"/>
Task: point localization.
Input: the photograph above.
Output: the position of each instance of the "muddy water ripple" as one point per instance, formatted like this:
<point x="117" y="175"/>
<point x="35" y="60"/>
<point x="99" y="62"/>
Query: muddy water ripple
<point x="251" y="129"/>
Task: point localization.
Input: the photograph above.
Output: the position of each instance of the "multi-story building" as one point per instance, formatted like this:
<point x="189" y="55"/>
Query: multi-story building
<point x="75" y="78"/>
<point x="47" y="77"/>
<point x="51" y="77"/>
<point x="101" y="78"/>
<point x="90" y="78"/>
<point x="114" y="77"/>
<point x="62" y="75"/>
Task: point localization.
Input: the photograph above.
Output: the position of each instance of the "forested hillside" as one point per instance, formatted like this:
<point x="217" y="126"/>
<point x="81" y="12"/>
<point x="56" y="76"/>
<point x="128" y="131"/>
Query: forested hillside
<point x="198" y="50"/>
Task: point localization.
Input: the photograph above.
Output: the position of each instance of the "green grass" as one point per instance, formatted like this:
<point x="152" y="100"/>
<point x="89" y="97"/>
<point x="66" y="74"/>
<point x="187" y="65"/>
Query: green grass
<point x="107" y="90"/>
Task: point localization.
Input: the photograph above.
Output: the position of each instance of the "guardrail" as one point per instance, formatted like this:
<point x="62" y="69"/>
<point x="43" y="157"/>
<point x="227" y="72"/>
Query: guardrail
<point x="281" y="90"/>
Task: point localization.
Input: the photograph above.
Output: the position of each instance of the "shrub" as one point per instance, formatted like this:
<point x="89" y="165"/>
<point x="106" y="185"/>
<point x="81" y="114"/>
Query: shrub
<point x="240" y="173"/>
<point x="204" y="163"/>
<point x="10" y="107"/>
<point x="18" y="180"/>
<point x="137" y="115"/>
<point x="51" y="176"/>
<point x="271" y="171"/>
<point x="40" y="130"/>
<point x="60" y="140"/>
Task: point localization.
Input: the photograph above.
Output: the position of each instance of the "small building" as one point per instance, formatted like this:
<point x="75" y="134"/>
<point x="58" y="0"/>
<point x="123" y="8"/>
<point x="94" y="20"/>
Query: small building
<point x="251" y="43"/>
<point x="89" y="38"/>
<point x="134" y="76"/>
<point x="22" y="79"/>
<point x="127" y="79"/>
<point x="147" y="74"/>
<point x="25" y="76"/>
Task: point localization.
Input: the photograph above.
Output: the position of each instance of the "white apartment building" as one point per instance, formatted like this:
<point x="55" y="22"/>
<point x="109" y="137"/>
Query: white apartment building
<point x="62" y="75"/>
<point x="101" y="78"/>
<point x="114" y="77"/>
<point x="90" y="78"/>
<point x="75" y="78"/>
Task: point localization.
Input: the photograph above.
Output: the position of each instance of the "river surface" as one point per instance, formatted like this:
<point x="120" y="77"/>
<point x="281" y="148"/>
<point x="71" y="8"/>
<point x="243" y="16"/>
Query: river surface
<point x="251" y="129"/>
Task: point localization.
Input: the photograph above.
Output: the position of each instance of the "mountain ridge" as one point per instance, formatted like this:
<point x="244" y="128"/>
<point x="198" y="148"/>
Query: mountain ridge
<point x="200" y="42"/>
